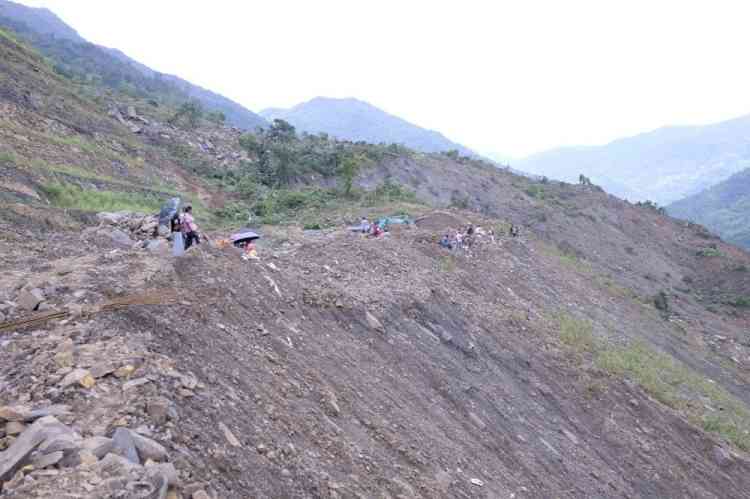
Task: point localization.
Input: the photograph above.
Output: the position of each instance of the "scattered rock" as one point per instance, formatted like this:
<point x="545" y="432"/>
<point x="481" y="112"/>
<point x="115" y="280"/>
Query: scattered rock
<point x="124" y="371"/>
<point x="81" y="376"/>
<point x="102" y="369"/>
<point x="229" y="435"/>
<point x="65" y="441"/>
<point x="30" y="300"/>
<point x="13" y="413"/>
<point x="98" y="446"/>
<point x="13" y="428"/>
<point x="46" y="460"/>
<point x="167" y="470"/>
<point x="52" y="410"/>
<point x="134" y="383"/>
<point x="374" y="323"/>
<point x="722" y="457"/>
<point x="147" y="448"/>
<point x="124" y="446"/>
<point x="114" y="465"/>
<point x="159" y="409"/>
<point x="119" y="238"/>
<point x="18" y="453"/>
<point x="570" y="436"/>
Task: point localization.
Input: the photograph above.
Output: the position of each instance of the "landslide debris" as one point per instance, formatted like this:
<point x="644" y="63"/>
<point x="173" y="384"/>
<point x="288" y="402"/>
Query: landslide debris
<point x="339" y="365"/>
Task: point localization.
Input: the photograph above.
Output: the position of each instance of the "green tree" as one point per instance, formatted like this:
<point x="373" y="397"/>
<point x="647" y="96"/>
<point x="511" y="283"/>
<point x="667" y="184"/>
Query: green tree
<point x="188" y="115"/>
<point x="281" y="131"/>
<point x="348" y="170"/>
<point x="217" y="117"/>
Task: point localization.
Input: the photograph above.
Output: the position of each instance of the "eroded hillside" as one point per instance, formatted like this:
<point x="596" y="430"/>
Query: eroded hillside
<point x="603" y="353"/>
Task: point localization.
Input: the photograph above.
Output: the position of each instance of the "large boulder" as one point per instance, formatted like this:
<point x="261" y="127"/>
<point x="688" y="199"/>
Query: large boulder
<point x="17" y="455"/>
<point x="114" y="218"/>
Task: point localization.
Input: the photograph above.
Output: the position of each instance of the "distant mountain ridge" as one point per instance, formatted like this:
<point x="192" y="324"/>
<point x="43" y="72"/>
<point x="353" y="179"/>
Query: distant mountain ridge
<point x="356" y="120"/>
<point x="663" y="165"/>
<point x="723" y="208"/>
<point x="77" y="58"/>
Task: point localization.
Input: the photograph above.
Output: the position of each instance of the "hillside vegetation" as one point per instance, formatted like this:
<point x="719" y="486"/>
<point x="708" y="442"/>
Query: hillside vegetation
<point x="663" y="166"/>
<point x="723" y="208"/>
<point x="601" y="353"/>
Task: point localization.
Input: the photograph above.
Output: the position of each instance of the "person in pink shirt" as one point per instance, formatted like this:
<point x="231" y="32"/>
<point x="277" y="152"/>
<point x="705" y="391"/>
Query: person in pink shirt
<point x="189" y="228"/>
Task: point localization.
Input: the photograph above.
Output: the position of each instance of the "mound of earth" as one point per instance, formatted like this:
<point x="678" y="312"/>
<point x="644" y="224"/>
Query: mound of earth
<point x="439" y="221"/>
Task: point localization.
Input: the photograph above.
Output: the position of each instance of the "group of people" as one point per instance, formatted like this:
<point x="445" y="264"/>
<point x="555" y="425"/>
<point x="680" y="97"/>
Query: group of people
<point x="184" y="231"/>
<point x="374" y="229"/>
<point x="464" y="238"/>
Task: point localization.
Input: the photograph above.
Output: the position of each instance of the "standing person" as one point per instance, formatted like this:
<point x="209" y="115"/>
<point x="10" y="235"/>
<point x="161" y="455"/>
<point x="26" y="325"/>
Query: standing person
<point x="189" y="228"/>
<point x="178" y="244"/>
<point x="364" y="225"/>
<point x="459" y="240"/>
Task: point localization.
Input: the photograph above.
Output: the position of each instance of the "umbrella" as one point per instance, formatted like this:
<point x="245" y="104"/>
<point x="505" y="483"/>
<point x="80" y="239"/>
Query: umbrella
<point x="243" y="236"/>
<point x="169" y="210"/>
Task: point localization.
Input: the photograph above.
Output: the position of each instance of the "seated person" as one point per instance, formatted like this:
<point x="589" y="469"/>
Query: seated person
<point x="445" y="242"/>
<point x="251" y="253"/>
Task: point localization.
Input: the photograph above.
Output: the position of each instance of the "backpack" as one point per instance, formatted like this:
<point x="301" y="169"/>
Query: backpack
<point x="176" y="226"/>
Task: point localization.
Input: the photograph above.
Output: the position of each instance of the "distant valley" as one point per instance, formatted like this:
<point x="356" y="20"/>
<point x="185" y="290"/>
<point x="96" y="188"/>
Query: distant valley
<point x="723" y="208"/>
<point x="664" y="165"/>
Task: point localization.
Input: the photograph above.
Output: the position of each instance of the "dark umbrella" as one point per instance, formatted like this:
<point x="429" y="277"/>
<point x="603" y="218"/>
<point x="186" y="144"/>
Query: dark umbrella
<point x="243" y="236"/>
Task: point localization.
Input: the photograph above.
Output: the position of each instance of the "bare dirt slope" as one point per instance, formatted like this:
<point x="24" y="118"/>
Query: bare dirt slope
<point x="343" y="366"/>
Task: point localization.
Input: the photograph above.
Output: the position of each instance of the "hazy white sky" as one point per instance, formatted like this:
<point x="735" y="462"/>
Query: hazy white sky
<point x="507" y="76"/>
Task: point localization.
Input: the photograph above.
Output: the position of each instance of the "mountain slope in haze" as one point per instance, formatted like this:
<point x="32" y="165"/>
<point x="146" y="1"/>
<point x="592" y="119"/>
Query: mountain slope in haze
<point x="75" y="57"/>
<point x="40" y="20"/>
<point x="723" y="208"/>
<point x="664" y="165"/>
<point x="355" y="120"/>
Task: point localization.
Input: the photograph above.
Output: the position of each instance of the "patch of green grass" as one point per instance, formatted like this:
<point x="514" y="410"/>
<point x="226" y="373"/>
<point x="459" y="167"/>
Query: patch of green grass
<point x="615" y="289"/>
<point x="536" y="192"/>
<point x="578" y="334"/>
<point x="740" y="302"/>
<point x="568" y="259"/>
<point x="7" y="158"/>
<point x="447" y="264"/>
<point x="675" y="385"/>
<point x="709" y="252"/>
<point x="76" y="141"/>
<point x="72" y="196"/>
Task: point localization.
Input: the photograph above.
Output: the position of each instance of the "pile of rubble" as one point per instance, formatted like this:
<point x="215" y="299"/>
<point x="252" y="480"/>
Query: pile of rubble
<point x="126" y="461"/>
<point x="129" y="230"/>
<point x="89" y="412"/>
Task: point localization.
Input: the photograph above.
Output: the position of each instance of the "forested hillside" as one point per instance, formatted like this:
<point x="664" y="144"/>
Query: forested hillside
<point x="723" y="208"/>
